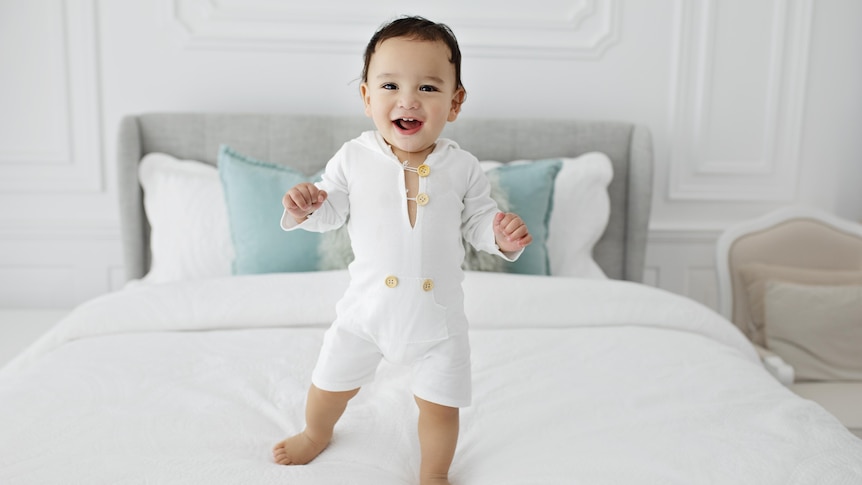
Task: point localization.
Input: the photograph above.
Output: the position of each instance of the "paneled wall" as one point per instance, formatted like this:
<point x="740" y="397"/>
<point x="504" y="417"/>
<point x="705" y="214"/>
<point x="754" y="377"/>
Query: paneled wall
<point x="752" y="105"/>
<point x="58" y="230"/>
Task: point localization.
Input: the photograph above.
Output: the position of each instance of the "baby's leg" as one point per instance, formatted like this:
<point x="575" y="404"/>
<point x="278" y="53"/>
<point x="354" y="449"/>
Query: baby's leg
<point x="322" y="411"/>
<point x="438" y="436"/>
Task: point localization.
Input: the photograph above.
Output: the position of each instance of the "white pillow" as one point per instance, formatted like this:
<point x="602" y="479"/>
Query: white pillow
<point x="184" y="203"/>
<point x="580" y="215"/>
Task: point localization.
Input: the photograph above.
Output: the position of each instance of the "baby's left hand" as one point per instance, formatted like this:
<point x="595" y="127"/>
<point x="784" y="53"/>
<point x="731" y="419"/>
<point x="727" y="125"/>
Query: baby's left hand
<point x="510" y="232"/>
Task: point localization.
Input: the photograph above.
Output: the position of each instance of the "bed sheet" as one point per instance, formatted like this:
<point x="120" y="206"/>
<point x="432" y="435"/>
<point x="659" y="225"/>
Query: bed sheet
<point x="575" y="381"/>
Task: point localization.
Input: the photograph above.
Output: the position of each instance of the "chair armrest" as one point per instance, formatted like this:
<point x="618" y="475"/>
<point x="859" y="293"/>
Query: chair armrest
<point x="775" y="365"/>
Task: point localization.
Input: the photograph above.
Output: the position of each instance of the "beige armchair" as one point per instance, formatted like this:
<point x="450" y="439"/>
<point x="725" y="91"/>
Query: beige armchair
<point x="791" y="281"/>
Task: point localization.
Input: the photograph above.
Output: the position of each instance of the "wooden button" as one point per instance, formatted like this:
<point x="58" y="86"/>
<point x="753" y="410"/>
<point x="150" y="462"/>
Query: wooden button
<point x="391" y="281"/>
<point x="423" y="170"/>
<point x="428" y="285"/>
<point x="422" y="199"/>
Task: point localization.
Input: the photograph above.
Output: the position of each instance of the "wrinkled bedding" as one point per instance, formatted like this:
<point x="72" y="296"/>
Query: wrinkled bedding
<point x="575" y="381"/>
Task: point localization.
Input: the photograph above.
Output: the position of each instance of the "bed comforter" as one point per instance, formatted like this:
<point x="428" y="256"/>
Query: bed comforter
<point x="575" y="382"/>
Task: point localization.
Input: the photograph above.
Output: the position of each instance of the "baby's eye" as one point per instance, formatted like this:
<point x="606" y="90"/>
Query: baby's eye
<point x="427" y="88"/>
<point x="389" y="86"/>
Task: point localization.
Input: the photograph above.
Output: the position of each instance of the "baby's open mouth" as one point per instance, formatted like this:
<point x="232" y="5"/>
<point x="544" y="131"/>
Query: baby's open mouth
<point x="408" y="125"/>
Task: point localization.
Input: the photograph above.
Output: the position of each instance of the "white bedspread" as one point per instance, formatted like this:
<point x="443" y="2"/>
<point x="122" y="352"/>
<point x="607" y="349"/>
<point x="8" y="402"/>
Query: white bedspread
<point x="575" y="382"/>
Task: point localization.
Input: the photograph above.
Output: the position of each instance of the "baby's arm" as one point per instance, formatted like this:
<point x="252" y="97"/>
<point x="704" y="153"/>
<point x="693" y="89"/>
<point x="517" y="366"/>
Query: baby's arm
<point x="302" y="200"/>
<point x="510" y="232"/>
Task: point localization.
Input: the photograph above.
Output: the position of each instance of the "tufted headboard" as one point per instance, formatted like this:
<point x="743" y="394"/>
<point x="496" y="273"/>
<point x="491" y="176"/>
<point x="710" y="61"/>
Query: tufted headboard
<point x="307" y="142"/>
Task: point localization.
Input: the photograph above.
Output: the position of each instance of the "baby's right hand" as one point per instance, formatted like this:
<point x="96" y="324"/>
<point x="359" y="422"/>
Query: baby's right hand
<point x="302" y="200"/>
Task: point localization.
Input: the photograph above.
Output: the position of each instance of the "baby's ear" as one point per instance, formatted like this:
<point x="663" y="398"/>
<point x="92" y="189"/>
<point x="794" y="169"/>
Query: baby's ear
<point x="457" y="100"/>
<point x="366" y="98"/>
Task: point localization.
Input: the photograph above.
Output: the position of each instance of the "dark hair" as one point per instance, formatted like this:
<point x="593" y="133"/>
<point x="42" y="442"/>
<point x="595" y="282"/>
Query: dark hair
<point x="418" y="28"/>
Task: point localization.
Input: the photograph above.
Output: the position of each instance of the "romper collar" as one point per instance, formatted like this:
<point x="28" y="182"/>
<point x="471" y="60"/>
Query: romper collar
<point x="374" y="141"/>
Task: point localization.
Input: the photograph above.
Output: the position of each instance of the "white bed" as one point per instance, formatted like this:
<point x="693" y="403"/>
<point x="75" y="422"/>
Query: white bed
<point x="576" y="381"/>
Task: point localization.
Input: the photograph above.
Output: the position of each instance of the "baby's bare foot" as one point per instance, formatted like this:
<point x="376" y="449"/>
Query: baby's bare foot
<point x="297" y="450"/>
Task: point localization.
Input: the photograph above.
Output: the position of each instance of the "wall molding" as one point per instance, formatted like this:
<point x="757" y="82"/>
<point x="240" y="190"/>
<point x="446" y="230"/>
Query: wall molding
<point x="56" y="285"/>
<point x="771" y="174"/>
<point x="76" y="167"/>
<point x="79" y="231"/>
<point x="668" y="235"/>
<point x="583" y="29"/>
<point x="60" y="265"/>
<point x="682" y="261"/>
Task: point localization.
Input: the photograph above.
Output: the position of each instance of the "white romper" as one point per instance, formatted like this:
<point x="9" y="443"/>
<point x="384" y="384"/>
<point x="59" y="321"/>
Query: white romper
<point x="404" y="302"/>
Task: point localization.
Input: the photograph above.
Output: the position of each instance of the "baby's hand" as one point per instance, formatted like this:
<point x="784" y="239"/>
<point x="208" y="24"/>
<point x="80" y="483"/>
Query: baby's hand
<point x="302" y="200"/>
<point x="510" y="232"/>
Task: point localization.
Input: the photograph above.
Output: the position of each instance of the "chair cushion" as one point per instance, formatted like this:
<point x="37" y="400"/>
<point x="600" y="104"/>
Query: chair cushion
<point x="755" y="275"/>
<point x="817" y="329"/>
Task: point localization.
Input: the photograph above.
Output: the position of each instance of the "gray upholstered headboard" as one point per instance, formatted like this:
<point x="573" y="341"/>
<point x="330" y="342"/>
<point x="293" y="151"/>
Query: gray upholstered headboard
<point x="307" y="143"/>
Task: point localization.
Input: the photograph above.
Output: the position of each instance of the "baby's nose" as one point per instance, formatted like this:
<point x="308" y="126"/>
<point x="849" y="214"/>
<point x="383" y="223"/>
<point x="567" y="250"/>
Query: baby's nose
<point x="408" y="101"/>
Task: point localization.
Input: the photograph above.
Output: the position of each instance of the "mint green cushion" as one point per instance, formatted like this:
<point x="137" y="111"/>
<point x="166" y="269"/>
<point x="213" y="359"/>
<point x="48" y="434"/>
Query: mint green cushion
<point x="529" y="189"/>
<point x="253" y="190"/>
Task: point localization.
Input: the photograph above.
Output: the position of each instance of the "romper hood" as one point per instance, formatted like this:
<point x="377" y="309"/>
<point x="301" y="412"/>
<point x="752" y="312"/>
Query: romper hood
<point x="374" y="141"/>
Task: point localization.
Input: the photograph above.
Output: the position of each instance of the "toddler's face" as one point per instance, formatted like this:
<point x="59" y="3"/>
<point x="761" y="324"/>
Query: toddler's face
<point x="411" y="93"/>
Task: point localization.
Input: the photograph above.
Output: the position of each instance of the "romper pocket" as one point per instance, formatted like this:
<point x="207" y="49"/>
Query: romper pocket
<point x="406" y="313"/>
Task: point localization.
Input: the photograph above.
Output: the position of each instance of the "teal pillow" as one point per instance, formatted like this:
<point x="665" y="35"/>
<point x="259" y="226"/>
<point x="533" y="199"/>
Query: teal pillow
<point x="253" y="190"/>
<point x="528" y="189"/>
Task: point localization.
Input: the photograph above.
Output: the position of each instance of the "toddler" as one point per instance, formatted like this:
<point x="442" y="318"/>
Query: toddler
<point x="411" y="197"/>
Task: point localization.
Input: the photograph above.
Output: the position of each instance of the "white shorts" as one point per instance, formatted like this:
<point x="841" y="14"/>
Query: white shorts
<point x="440" y="370"/>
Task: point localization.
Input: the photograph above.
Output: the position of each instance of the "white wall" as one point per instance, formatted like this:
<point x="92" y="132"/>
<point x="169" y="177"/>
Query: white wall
<point x="752" y="105"/>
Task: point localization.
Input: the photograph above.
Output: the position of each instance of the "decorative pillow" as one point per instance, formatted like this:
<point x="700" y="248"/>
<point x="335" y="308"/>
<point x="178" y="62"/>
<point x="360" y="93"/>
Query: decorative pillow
<point x="527" y="189"/>
<point x="581" y="211"/>
<point x="575" y="214"/>
<point x="565" y="229"/>
<point x="475" y="259"/>
<point x="816" y="329"/>
<point x="184" y="203"/>
<point x="755" y="275"/>
<point x="253" y="190"/>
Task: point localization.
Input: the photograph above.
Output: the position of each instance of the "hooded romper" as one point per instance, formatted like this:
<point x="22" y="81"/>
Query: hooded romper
<point x="404" y="302"/>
